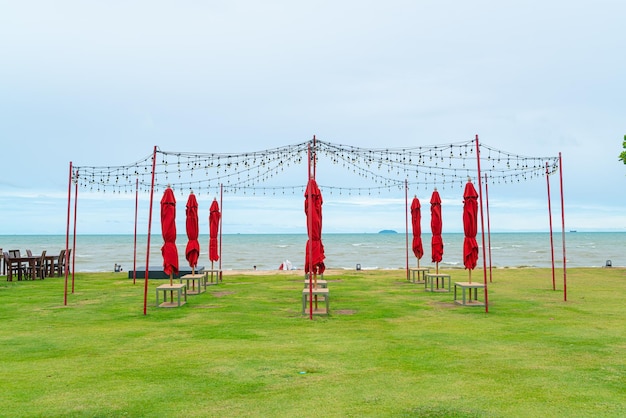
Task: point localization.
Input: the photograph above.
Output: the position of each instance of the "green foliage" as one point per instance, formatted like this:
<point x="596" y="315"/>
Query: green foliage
<point x="622" y="156"/>
<point x="388" y="348"/>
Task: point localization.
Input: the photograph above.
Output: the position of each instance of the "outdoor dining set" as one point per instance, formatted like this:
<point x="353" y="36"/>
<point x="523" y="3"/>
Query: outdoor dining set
<point x="33" y="266"/>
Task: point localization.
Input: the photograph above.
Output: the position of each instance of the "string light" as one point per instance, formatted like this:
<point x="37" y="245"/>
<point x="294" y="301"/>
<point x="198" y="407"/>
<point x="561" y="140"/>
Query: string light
<point x="386" y="169"/>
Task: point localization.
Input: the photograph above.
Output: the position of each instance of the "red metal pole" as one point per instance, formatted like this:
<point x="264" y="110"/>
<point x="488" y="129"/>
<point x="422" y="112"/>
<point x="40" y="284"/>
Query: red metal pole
<point x="145" y="288"/>
<point x="482" y="224"/>
<point x="135" y="240"/>
<point x="221" y="224"/>
<point x="551" y="235"/>
<point x="74" y="239"/>
<point x="67" y="232"/>
<point x="406" y="215"/>
<point x="488" y="227"/>
<point x="310" y="175"/>
<point x="563" y="231"/>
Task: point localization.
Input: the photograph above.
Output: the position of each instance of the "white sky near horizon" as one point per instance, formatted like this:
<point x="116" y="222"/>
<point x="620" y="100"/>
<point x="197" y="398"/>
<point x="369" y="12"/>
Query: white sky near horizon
<point x="102" y="83"/>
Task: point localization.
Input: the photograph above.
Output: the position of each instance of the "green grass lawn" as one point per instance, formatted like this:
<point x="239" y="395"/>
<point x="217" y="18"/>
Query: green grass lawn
<point x="388" y="348"/>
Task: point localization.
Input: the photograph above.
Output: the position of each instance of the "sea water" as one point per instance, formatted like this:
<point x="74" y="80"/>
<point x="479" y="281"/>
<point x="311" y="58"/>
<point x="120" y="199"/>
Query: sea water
<point x="96" y="253"/>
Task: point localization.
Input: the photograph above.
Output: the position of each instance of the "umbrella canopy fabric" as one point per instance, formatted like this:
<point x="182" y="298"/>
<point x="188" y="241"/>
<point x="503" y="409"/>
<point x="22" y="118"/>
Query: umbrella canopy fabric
<point x="214" y="226"/>
<point x="168" y="229"/>
<point x="436" y="226"/>
<point x="192" y="252"/>
<point x="416" y="222"/>
<point x="314" y="260"/>
<point x="470" y="226"/>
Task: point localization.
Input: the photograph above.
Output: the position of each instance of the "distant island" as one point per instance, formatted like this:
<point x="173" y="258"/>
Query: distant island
<point x="387" y="231"/>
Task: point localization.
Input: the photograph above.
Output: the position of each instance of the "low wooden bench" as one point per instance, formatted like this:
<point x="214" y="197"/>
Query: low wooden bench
<point x="181" y="292"/>
<point x="421" y="274"/>
<point x="200" y="278"/>
<point x="468" y="286"/>
<point x="316" y="292"/>
<point x="433" y="278"/>
<point x="217" y="273"/>
<point x="317" y="276"/>
<point x="320" y="284"/>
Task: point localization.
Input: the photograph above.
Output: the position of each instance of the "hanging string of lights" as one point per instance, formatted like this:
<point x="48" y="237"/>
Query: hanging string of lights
<point x="258" y="172"/>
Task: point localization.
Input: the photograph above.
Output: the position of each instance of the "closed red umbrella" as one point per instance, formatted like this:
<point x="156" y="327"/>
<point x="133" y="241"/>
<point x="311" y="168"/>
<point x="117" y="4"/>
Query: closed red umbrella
<point x="168" y="229"/>
<point x="314" y="260"/>
<point x="470" y="226"/>
<point x="193" y="246"/>
<point x="436" y="226"/>
<point x="416" y="222"/>
<point x="214" y="226"/>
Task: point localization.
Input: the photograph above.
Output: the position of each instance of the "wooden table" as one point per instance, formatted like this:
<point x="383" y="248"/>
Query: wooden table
<point x="218" y="275"/>
<point x="316" y="292"/>
<point x="465" y="286"/>
<point x="200" y="278"/>
<point x="179" y="288"/>
<point x="421" y="274"/>
<point x="432" y="278"/>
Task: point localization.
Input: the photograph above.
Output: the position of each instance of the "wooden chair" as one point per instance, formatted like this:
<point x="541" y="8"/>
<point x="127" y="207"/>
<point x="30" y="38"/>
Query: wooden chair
<point x="40" y="268"/>
<point x="68" y="259"/>
<point x="58" y="269"/>
<point x="56" y="264"/>
<point x="22" y="266"/>
<point x="27" y="268"/>
<point x="13" y="267"/>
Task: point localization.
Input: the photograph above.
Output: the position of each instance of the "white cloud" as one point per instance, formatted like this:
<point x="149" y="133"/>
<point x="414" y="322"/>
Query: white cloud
<point x="121" y="77"/>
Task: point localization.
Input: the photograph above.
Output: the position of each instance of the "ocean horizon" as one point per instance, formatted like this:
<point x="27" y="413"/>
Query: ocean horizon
<point x="100" y="252"/>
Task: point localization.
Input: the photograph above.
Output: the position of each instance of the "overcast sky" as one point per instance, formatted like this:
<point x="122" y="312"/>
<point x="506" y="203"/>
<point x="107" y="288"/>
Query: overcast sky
<point x="103" y="82"/>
